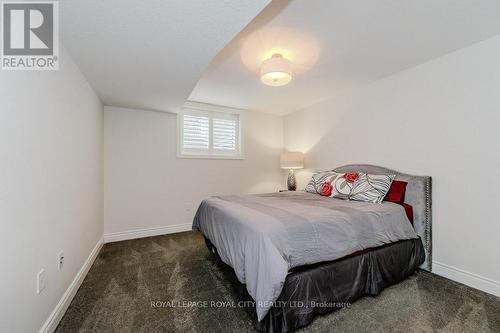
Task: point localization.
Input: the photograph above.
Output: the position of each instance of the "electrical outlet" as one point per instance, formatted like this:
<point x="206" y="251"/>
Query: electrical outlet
<point x="40" y="281"/>
<point x="60" y="260"/>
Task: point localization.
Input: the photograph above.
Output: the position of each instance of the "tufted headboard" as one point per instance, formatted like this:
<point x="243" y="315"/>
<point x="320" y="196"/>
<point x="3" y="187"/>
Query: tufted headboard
<point x="418" y="194"/>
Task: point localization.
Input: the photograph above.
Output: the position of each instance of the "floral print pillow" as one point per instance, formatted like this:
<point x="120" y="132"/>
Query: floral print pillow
<point x="342" y="186"/>
<point x="318" y="179"/>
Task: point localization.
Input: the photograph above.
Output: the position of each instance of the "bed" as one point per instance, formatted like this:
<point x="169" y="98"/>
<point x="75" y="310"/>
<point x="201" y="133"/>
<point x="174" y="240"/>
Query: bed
<point x="298" y="254"/>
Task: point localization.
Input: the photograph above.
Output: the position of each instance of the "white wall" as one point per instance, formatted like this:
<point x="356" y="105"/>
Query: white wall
<point x="51" y="197"/>
<point x="147" y="186"/>
<point x="439" y="119"/>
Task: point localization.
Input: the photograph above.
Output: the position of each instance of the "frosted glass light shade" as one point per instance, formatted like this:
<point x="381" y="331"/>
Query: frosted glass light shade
<point x="276" y="71"/>
<point x="291" y="160"/>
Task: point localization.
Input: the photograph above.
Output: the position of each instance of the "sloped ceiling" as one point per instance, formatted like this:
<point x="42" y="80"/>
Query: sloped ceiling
<point x="149" y="54"/>
<point x="337" y="45"/>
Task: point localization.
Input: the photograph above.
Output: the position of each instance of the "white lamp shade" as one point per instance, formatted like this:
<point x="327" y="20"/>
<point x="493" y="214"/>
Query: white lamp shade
<point x="276" y="71"/>
<point x="291" y="160"/>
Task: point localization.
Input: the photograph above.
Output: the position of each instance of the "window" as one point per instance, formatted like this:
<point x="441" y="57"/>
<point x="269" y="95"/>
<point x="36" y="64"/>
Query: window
<point x="207" y="131"/>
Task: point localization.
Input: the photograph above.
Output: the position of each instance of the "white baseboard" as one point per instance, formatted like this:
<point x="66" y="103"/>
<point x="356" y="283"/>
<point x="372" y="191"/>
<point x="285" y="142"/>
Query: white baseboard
<point x="148" y="232"/>
<point x="55" y="317"/>
<point x="470" y="279"/>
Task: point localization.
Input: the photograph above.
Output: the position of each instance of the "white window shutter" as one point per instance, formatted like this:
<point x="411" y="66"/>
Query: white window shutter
<point x="225" y="134"/>
<point x="210" y="134"/>
<point x="196" y="132"/>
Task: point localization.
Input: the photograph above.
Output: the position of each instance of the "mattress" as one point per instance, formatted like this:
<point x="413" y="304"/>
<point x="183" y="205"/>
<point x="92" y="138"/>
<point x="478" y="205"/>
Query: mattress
<point x="262" y="237"/>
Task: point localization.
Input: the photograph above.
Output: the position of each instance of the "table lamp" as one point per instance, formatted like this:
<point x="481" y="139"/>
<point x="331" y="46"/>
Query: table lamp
<point x="291" y="161"/>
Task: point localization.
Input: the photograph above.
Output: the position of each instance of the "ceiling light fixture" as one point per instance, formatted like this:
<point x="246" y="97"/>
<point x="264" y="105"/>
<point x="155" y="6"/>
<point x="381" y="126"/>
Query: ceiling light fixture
<point x="276" y="71"/>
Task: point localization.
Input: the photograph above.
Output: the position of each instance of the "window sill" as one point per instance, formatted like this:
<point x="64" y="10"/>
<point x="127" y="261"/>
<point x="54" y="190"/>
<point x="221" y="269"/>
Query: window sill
<point x="211" y="157"/>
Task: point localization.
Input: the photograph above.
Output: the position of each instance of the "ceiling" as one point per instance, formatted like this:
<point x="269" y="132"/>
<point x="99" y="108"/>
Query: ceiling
<point x="337" y="44"/>
<point x="149" y="54"/>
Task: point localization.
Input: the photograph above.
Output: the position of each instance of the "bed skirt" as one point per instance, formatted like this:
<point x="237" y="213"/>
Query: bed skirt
<point x="321" y="288"/>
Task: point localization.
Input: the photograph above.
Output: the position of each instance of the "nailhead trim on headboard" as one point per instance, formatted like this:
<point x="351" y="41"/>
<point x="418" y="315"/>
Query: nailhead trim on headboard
<point x="428" y="222"/>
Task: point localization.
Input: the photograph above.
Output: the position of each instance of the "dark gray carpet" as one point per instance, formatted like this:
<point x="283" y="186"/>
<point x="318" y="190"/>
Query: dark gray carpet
<point x="127" y="276"/>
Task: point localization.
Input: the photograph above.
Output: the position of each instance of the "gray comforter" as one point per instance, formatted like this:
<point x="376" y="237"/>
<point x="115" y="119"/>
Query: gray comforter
<point x="263" y="236"/>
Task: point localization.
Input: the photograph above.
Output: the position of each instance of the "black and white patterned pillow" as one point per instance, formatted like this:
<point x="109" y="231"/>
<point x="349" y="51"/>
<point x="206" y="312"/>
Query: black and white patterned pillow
<point x="371" y="188"/>
<point x="341" y="187"/>
<point x="318" y="179"/>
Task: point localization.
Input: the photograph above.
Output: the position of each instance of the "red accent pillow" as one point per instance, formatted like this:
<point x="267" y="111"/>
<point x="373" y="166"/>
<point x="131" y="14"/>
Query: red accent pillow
<point x="396" y="192"/>
<point x="408" y="211"/>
